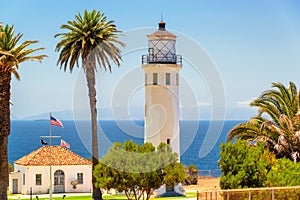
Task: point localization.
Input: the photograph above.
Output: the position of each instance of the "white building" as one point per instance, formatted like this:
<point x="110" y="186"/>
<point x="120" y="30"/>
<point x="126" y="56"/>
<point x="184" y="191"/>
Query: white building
<point x="32" y="172"/>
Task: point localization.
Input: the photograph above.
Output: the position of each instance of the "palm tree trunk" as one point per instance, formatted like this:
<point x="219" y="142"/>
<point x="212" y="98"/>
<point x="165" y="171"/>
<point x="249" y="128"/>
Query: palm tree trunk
<point x="90" y="77"/>
<point x="5" y="78"/>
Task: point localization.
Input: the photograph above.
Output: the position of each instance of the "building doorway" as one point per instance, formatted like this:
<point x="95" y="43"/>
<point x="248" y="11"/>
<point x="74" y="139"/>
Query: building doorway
<point x="15" y="186"/>
<point x="59" y="181"/>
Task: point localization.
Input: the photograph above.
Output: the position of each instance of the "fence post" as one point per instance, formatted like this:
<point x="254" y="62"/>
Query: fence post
<point x="210" y="195"/>
<point x="273" y="194"/>
<point x="197" y="195"/>
<point x="249" y="196"/>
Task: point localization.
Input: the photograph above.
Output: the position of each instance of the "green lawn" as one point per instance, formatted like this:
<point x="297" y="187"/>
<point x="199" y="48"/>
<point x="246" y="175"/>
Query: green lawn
<point x="56" y="198"/>
<point x="111" y="197"/>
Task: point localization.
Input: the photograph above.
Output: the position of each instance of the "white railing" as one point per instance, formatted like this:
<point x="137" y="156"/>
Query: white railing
<point x="274" y="193"/>
<point x="210" y="173"/>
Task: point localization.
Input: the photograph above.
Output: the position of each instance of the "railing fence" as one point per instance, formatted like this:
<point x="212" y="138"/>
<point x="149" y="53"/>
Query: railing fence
<point x="274" y="193"/>
<point x="210" y="173"/>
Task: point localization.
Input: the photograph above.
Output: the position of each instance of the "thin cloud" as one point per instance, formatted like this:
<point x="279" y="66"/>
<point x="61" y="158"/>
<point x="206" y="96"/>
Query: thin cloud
<point x="203" y="104"/>
<point x="245" y="103"/>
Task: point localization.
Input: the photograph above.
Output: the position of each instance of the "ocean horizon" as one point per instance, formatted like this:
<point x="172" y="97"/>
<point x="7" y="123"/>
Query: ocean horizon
<point x="26" y="134"/>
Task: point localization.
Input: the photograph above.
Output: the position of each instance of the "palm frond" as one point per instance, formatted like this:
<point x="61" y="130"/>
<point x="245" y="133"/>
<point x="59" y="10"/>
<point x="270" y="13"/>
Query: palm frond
<point x="12" y="52"/>
<point x="281" y="131"/>
<point x="90" y="34"/>
<point x="247" y="130"/>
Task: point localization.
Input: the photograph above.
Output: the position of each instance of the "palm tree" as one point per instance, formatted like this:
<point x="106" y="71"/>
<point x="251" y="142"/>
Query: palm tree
<point x="277" y="123"/>
<point x="11" y="55"/>
<point x="1" y="28"/>
<point x="93" y="40"/>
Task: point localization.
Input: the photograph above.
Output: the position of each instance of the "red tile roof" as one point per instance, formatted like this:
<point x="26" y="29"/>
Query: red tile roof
<point x="60" y="156"/>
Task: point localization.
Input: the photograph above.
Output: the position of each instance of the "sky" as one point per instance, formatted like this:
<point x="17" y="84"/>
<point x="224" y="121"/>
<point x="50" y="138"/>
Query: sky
<point x="232" y="51"/>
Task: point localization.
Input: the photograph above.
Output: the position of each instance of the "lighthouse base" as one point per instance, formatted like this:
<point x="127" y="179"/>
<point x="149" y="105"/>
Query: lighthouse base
<point x="178" y="190"/>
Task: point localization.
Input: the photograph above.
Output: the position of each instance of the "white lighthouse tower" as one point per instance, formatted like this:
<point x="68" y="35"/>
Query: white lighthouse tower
<point x="161" y="66"/>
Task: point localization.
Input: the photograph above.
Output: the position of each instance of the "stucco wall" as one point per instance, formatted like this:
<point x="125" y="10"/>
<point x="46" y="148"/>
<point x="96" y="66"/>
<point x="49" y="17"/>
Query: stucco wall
<point x="162" y="105"/>
<point x="70" y="172"/>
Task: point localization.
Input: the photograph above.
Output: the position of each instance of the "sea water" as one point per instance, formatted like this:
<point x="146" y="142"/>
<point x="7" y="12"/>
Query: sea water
<point x="25" y="137"/>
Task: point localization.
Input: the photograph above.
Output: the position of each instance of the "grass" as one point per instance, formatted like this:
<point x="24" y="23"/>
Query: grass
<point x="111" y="197"/>
<point x="188" y="195"/>
<point x="55" y="198"/>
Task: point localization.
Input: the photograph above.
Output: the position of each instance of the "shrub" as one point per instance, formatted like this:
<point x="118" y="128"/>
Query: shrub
<point x="244" y="165"/>
<point x="284" y="172"/>
<point x="192" y="175"/>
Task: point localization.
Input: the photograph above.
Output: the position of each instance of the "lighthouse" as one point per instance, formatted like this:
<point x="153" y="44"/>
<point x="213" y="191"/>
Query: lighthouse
<point x="161" y="68"/>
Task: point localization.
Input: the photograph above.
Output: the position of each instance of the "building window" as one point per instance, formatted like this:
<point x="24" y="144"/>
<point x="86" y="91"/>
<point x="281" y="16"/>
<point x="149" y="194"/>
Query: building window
<point x="23" y="179"/>
<point x="38" y="179"/>
<point x="168" y="141"/>
<point x="177" y="79"/>
<point x="80" y="178"/>
<point x="168" y="78"/>
<point x="155" y="77"/>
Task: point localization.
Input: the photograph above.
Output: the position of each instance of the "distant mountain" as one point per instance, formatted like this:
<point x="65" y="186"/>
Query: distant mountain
<point x="62" y="115"/>
<point x="137" y="113"/>
<point x="103" y="114"/>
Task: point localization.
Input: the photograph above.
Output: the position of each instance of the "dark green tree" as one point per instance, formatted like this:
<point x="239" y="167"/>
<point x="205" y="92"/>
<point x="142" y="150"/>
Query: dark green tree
<point x="138" y="170"/>
<point x="93" y="40"/>
<point x="244" y="165"/>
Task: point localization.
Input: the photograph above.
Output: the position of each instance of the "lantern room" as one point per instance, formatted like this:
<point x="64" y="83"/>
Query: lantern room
<point x="161" y="47"/>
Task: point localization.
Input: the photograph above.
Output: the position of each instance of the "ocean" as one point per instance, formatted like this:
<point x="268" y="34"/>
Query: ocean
<point x="25" y="137"/>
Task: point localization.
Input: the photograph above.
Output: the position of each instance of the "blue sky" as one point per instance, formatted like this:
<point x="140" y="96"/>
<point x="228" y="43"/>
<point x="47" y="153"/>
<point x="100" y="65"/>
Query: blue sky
<point x="252" y="43"/>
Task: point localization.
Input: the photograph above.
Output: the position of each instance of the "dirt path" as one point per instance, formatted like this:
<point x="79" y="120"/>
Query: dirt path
<point x="205" y="184"/>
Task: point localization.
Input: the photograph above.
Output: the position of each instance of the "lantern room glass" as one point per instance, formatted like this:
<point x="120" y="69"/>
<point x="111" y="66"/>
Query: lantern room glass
<point x="162" y="51"/>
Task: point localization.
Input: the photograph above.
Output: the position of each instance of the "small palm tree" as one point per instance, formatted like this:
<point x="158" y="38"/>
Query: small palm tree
<point x="277" y="123"/>
<point x="93" y="40"/>
<point x="11" y="55"/>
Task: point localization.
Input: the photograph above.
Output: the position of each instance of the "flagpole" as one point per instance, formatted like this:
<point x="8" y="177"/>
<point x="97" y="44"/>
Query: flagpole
<point x="50" y="188"/>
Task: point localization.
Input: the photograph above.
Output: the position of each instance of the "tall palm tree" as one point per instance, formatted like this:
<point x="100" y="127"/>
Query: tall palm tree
<point x="278" y="121"/>
<point x="11" y="55"/>
<point x="93" y="40"/>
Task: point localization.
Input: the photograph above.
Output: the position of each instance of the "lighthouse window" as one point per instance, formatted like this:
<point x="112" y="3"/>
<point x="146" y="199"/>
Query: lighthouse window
<point x="177" y="79"/>
<point x="155" y="78"/>
<point x="168" y="141"/>
<point x="146" y="81"/>
<point x="168" y="78"/>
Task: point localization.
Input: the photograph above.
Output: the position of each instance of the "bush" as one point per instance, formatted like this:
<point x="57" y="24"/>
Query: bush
<point x="10" y="167"/>
<point x="284" y="172"/>
<point x="192" y="175"/>
<point x="244" y="165"/>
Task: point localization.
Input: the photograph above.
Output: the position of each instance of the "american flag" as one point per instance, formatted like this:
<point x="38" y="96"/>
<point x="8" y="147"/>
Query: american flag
<point x="55" y="122"/>
<point x="64" y="144"/>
